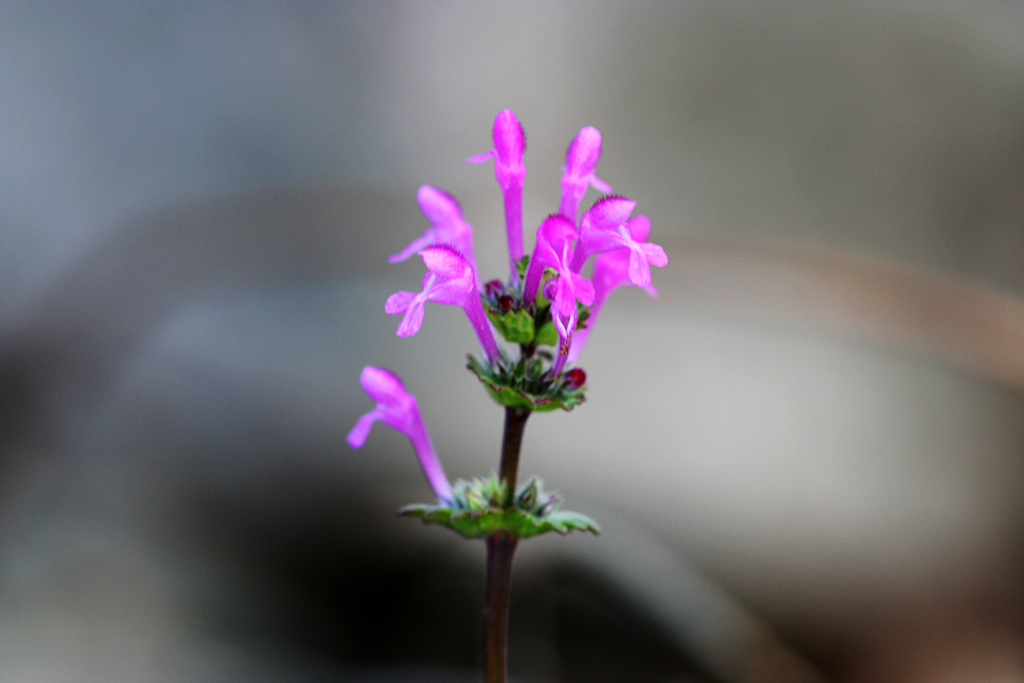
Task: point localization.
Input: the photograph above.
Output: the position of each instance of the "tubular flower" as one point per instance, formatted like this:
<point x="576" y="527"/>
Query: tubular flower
<point x="553" y="235"/>
<point x="611" y="271"/>
<point x="509" y="145"/>
<point x="397" y="408"/>
<point x="451" y="280"/>
<point x="553" y="250"/>
<point x="605" y="227"/>
<point x="449" y="228"/>
<point x="580" y="162"/>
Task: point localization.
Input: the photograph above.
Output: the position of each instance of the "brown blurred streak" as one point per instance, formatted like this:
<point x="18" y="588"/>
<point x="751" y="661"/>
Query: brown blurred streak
<point x="854" y="296"/>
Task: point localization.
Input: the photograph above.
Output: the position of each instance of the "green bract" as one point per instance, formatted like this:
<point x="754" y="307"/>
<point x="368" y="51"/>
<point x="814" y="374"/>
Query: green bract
<point x="516" y="326"/>
<point x="526" y="384"/>
<point x="478" y="511"/>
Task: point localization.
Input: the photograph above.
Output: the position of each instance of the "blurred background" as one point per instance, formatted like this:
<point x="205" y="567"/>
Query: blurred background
<point x="806" y="454"/>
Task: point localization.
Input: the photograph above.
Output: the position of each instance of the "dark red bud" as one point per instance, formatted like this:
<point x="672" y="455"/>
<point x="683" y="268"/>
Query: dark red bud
<point x="493" y="287"/>
<point x="505" y="303"/>
<point x="576" y="377"/>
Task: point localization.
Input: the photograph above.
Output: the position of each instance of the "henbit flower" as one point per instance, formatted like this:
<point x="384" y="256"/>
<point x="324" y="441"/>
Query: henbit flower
<point x="605" y="227"/>
<point x="580" y="161"/>
<point x="451" y="280"/>
<point x="554" y="250"/>
<point x="553" y="234"/>
<point x="509" y="144"/>
<point x="449" y="227"/>
<point x="397" y="408"/>
<point x="569" y="287"/>
<point x="611" y="271"/>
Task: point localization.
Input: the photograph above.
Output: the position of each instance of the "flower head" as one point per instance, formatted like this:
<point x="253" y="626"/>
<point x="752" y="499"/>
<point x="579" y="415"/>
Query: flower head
<point x="562" y="248"/>
<point x="397" y="408"/>
<point x="451" y="280"/>
<point x="449" y="228"/>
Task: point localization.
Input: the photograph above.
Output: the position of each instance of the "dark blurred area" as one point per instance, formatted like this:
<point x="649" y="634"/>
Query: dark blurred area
<point x="806" y="454"/>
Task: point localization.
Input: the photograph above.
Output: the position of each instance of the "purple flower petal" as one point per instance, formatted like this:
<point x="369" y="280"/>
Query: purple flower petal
<point x="580" y="163"/>
<point x="553" y="234"/>
<point x="397" y="408"/>
<point x="612" y="270"/>
<point x="509" y="144"/>
<point x="448" y="226"/>
<point x="450" y="280"/>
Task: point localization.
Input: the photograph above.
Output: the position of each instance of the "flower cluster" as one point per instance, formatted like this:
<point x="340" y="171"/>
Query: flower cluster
<point x="547" y="306"/>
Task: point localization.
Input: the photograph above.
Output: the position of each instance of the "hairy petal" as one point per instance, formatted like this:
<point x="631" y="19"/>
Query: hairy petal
<point x="599" y="228"/>
<point x="509" y="138"/>
<point x="509" y="171"/>
<point x="446" y="263"/>
<point x="608" y="213"/>
<point x="580" y="162"/>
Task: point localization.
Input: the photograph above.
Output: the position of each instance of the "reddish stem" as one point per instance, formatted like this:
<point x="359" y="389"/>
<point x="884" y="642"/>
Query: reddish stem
<point x="501" y="548"/>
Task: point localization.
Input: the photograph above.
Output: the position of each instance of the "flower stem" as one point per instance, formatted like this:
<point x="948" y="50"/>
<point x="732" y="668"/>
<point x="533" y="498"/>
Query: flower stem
<point x="515" y="424"/>
<point x="501" y="548"/>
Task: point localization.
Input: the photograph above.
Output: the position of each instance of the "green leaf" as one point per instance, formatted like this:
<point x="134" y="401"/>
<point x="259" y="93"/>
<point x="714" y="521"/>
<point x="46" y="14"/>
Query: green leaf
<point x="547" y="334"/>
<point x="477" y="512"/>
<point x="520" y="384"/>
<point x="515" y="326"/>
<point x="482" y="523"/>
<point x="521" y="266"/>
<point x="566" y="521"/>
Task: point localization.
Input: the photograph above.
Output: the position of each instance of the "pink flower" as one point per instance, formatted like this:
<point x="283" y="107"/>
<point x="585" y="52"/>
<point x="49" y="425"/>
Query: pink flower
<point x="554" y="249"/>
<point x="449" y="228"/>
<point x="553" y="235"/>
<point x="580" y="161"/>
<point x="451" y="280"/>
<point x="605" y="226"/>
<point x="397" y="408"/>
<point x="611" y="271"/>
<point x="509" y="144"/>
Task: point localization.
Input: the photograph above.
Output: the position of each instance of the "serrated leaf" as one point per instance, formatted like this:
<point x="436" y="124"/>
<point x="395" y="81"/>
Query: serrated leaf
<point x="482" y="523"/>
<point x="568" y="520"/>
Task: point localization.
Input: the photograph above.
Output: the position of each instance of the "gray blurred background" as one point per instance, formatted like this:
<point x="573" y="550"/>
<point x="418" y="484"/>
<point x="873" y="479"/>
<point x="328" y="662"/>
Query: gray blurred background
<point x="807" y="454"/>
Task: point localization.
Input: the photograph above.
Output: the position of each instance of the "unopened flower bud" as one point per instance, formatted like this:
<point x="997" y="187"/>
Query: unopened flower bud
<point x="576" y="377"/>
<point x="493" y="287"/>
